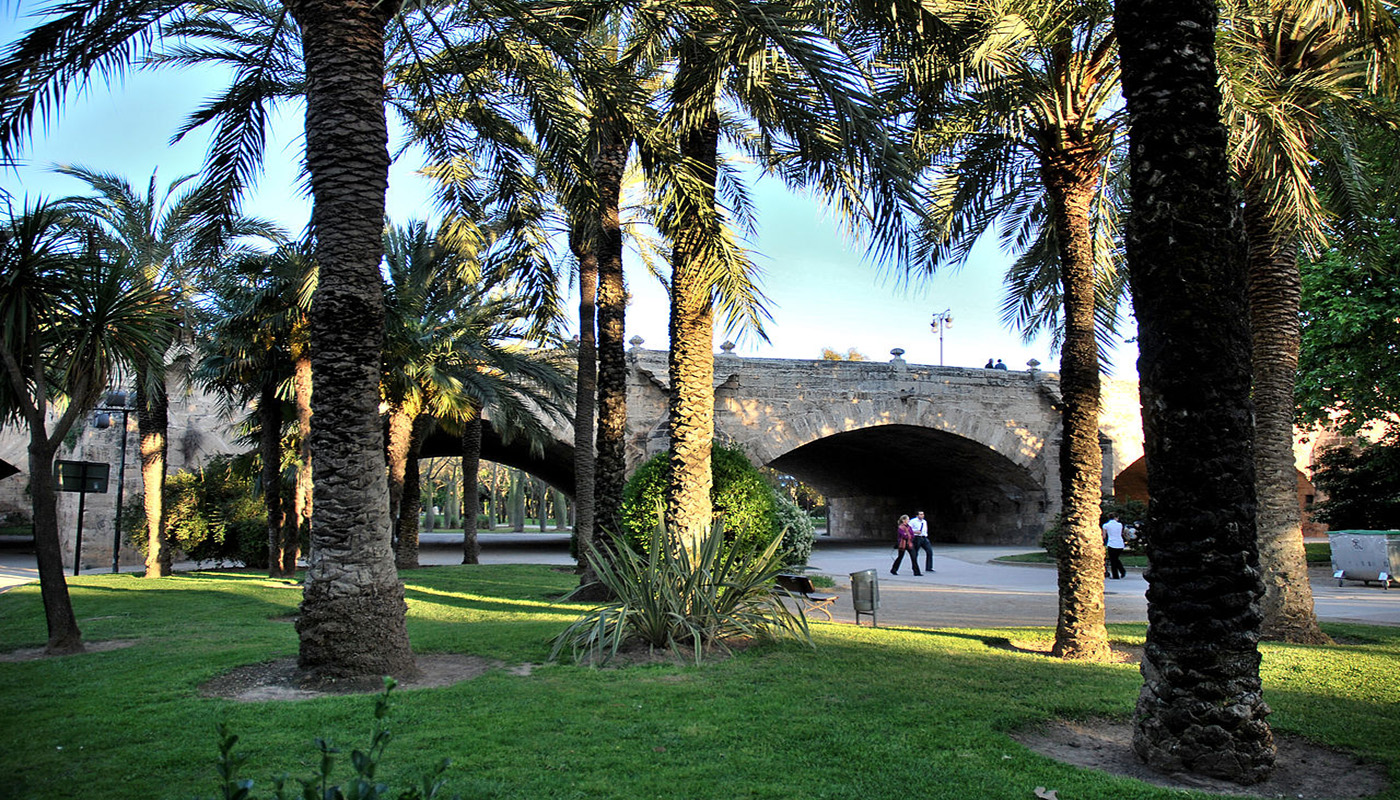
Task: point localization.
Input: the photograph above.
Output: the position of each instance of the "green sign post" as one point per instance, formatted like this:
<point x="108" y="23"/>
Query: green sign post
<point x="81" y="477"/>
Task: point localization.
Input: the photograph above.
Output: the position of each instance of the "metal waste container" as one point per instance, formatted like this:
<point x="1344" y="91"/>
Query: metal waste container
<point x="865" y="594"/>
<point x="1365" y="556"/>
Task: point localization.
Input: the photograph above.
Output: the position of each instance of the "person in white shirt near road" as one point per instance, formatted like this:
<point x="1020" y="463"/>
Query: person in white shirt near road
<point x="921" y="541"/>
<point x="1113" y="539"/>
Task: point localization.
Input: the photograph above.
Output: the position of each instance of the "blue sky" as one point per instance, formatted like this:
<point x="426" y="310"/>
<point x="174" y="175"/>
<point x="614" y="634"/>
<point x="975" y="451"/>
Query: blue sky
<point x="823" y="292"/>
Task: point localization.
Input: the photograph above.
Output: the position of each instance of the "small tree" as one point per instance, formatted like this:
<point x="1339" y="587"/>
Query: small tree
<point x="68" y="321"/>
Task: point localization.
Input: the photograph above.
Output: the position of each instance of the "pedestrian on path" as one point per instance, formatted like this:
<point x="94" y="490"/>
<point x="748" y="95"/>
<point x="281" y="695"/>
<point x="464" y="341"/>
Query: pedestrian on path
<point x="1113" y="540"/>
<point x="904" y="543"/>
<point x="921" y="541"/>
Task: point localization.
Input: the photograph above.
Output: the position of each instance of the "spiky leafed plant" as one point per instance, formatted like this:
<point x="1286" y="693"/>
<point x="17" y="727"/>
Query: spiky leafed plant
<point x="1299" y="74"/>
<point x="1201" y="708"/>
<point x="69" y="320"/>
<point x="679" y="597"/>
<point x="1014" y="112"/>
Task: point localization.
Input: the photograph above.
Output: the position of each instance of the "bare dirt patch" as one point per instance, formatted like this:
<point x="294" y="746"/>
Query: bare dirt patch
<point x="1305" y="770"/>
<point x="36" y="653"/>
<point x="281" y="680"/>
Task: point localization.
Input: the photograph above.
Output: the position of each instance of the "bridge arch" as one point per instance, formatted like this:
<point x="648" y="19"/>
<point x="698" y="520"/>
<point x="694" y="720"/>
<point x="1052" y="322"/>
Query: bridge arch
<point x="970" y="491"/>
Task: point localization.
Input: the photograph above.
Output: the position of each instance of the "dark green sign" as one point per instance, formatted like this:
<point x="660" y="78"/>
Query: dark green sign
<point x="88" y="477"/>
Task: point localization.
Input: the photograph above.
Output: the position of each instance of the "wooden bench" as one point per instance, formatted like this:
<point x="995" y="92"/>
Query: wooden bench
<point x="800" y="587"/>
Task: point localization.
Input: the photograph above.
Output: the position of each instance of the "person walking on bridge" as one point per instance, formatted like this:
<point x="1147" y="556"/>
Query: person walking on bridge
<point x="919" y="526"/>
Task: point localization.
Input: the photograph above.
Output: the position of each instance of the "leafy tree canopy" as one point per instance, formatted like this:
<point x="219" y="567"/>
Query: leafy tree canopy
<point x="1349" y="364"/>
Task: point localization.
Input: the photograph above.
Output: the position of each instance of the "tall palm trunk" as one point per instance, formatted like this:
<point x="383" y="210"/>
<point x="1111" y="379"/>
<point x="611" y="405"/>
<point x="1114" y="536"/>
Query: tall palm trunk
<point x="304" y="503"/>
<point x="401" y="418"/>
<point x="609" y="168"/>
<point x="517" y="501"/>
<point x="1072" y="180"/>
<point x="691" y="364"/>
<point x="353" y="609"/>
<point x="1275" y="292"/>
<point x="270" y="451"/>
<point x="471" y="468"/>
<point x="611" y="459"/>
<point x="153" y="425"/>
<point x="1200" y="709"/>
<point x="584" y="405"/>
<point x="410" y="501"/>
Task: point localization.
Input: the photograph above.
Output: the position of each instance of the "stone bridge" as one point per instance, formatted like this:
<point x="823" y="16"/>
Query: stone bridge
<point x="976" y="449"/>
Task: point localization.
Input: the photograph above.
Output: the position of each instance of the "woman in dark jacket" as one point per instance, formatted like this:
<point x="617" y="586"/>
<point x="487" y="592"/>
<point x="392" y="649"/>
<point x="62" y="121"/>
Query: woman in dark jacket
<point x="905" y="544"/>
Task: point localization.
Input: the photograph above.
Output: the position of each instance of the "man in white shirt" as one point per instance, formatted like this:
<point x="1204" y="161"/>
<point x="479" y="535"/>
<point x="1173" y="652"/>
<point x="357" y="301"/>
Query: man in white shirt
<point x="921" y="540"/>
<point x="1113" y="540"/>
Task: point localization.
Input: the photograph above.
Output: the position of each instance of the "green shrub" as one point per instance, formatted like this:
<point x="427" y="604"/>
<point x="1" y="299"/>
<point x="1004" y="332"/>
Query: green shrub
<point x="1362" y="485"/>
<point x="669" y="598"/>
<point x="212" y="514"/>
<point x="799" y="531"/>
<point x="740" y="497"/>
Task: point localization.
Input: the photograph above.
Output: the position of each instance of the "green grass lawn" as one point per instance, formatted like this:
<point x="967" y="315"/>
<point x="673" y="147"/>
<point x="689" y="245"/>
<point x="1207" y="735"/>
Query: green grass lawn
<point x="887" y="713"/>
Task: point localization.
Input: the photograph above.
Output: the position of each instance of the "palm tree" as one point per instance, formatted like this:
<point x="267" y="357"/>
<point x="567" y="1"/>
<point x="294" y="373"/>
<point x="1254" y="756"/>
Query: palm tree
<point x="1016" y="115"/>
<point x="160" y="235"/>
<point x="454" y="349"/>
<point x="1201" y="708"/>
<point x="253" y="349"/>
<point x="814" y="124"/>
<point x="71" y="319"/>
<point x="1299" y="74"/>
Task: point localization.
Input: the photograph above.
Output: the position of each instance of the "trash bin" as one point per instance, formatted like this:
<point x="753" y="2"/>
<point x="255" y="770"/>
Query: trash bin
<point x="865" y="594"/>
<point x="1365" y="556"/>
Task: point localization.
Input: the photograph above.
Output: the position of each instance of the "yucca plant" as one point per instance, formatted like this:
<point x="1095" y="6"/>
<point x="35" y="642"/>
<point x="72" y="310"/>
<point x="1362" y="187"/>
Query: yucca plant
<point x="669" y="597"/>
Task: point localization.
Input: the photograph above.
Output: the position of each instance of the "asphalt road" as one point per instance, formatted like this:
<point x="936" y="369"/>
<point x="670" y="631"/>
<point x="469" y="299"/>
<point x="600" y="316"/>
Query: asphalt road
<point x="966" y="590"/>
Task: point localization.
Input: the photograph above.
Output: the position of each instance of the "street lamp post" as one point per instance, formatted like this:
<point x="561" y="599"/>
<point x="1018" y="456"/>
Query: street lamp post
<point x="116" y="402"/>
<point x="941" y="322"/>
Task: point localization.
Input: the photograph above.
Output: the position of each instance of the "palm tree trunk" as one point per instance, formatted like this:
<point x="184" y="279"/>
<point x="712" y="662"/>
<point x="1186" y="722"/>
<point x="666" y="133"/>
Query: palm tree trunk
<point x="609" y="168"/>
<point x="1275" y="291"/>
<point x="400" y="441"/>
<point x="491" y="510"/>
<point x="471" y="468"/>
<point x="270" y="450"/>
<point x="153" y="424"/>
<point x="1200" y="709"/>
<point x="585" y="397"/>
<point x="691" y="363"/>
<point x="409" y="502"/>
<point x="1072" y="181"/>
<point x="304" y="503"/>
<point x="516" y="501"/>
<point x="353" y="609"/>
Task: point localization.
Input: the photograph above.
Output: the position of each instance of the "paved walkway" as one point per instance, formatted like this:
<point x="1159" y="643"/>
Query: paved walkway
<point x="966" y="589"/>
